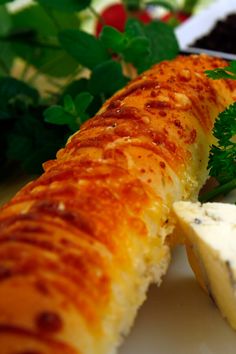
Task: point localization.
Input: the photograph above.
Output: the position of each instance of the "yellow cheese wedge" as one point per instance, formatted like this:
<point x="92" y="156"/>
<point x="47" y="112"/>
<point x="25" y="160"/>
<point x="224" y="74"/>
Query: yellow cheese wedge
<point x="210" y="235"/>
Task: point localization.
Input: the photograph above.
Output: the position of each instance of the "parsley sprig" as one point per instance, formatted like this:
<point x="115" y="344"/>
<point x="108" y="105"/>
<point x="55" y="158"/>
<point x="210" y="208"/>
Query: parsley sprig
<point x="222" y="161"/>
<point x="228" y="72"/>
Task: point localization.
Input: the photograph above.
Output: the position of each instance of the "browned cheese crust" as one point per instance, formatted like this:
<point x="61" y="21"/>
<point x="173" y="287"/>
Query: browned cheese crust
<point x="80" y="245"/>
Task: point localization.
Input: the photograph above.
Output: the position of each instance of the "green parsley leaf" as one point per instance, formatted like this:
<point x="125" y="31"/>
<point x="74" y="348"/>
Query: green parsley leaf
<point x="222" y="162"/>
<point x="84" y="47"/>
<point x="228" y="72"/>
<point x="66" y="5"/>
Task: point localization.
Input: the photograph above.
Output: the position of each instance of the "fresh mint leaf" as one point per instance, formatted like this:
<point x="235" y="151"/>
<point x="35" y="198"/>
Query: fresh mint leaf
<point x="84" y="47"/>
<point x="72" y="113"/>
<point x="69" y="105"/>
<point x="137" y="49"/>
<point x="113" y="39"/>
<point x="82" y="102"/>
<point x="80" y="86"/>
<point x="38" y="44"/>
<point x="5" y="21"/>
<point x="163" y="44"/>
<point x="107" y="78"/>
<point x="7" y="52"/>
<point x="132" y="45"/>
<point x="149" y="44"/>
<point x="134" y="28"/>
<point x="35" y="18"/>
<point x="58" y="115"/>
<point x="66" y="5"/>
<point x="55" y="63"/>
<point x="45" y="58"/>
<point x="77" y="108"/>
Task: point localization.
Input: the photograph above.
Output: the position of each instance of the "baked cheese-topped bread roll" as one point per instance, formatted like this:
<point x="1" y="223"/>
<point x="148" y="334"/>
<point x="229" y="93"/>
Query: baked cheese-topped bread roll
<point x="81" y="244"/>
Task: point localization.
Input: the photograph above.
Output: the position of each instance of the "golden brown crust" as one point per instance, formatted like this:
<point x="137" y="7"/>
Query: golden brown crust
<point x="13" y="339"/>
<point x="79" y="246"/>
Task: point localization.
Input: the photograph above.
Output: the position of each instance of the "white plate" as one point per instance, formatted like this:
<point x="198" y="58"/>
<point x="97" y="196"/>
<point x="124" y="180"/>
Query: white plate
<point x="179" y="318"/>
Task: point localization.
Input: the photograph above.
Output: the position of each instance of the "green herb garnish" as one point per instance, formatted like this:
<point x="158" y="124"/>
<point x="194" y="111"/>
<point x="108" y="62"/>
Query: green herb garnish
<point x="228" y="72"/>
<point x="222" y="161"/>
<point x="72" y="113"/>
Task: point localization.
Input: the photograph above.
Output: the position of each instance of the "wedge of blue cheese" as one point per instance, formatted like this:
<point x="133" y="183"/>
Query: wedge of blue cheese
<point x="210" y="235"/>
